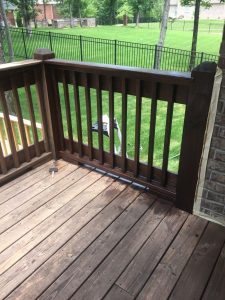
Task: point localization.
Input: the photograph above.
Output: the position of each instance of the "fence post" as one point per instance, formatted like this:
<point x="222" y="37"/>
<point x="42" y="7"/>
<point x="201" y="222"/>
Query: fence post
<point x="50" y="40"/>
<point x="183" y="25"/>
<point x="51" y="101"/>
<point x="209" y="27"/>
<point x="24" y="44"/>
<point x="193" y="134"/>
<point x="115" y="52"/>
<point x="202" y="55"/>
<point x="155" y="56"/>
<point x="81" y="49"/>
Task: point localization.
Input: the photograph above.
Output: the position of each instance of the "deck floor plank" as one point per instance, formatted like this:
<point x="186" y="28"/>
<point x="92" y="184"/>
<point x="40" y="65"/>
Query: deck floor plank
<point x="216" y="286"/>
<point x="11" y="235"/>
<point x="24" y="177"/>
<point x="86" y="235"/>
<point x="19" y="249"/>
<point x="197" y="272"/>
<point x="20" y="198"/>
<point x="28" y="264"/>
<point x="60" y="182"/>
<point x="165" y="276"/>
<point x="19" y="184"/>
<point x="139" y="270"/>
<point x="98" y="284"/>
<point x="81" y="268"/>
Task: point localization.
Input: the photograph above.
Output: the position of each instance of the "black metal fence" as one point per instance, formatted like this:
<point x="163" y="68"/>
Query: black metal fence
<point x="82" y="48"/>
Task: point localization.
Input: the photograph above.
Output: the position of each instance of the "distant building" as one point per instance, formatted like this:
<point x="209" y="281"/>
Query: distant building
<point x="10" y="13"/>
<point x="50" y="9"/>
<point x="216" y="11"/>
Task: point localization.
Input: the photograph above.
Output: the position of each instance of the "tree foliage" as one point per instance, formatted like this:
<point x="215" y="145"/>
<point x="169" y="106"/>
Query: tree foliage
<point x="26" y="9"/>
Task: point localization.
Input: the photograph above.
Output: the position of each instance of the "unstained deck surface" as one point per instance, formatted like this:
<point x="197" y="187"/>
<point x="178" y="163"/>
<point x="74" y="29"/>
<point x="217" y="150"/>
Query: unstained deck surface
<point x="82" y="235"/>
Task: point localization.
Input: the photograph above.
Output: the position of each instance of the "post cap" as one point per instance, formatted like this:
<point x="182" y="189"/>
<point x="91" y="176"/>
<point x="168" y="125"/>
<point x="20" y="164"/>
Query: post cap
<point x="43" y="54"/>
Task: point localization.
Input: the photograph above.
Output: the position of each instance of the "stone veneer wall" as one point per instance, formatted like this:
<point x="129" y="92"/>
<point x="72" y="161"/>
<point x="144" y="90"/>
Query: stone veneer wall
<point x="213" y="197"/>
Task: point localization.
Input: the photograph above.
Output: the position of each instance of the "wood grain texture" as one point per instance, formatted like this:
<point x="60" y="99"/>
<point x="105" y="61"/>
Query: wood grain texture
<point x="141" y="267"/>
<point x="197" y="272"/>
<point x="81" y="268"/>
<point x="59" y="238"/>
<point x="105" y="275"/>
<point x="166" y="274"/>
<point x="216" y="287"/>
<point x="116" y="293"/>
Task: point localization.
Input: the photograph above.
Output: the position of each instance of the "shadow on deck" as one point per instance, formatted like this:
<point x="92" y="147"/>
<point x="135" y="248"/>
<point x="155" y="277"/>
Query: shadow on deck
<point x="85" y="235"/>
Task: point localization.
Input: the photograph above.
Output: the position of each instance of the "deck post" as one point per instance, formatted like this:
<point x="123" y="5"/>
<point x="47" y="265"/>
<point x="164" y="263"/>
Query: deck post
<point x="50" y="102"/>
<point x="193" y="135"/>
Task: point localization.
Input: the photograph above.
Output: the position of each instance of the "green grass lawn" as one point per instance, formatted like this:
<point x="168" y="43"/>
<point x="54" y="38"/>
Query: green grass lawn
<point x="179" y="39"/>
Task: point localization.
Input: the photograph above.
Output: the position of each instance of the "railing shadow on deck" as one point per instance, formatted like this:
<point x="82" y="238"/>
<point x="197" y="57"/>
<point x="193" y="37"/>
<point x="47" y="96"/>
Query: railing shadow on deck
<point x="72" y="96"/>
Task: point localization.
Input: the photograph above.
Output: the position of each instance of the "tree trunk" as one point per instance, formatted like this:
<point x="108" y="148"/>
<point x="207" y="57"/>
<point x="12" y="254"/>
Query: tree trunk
<point x="7" y="32"/>
<point x="44" y="7"/>
<point x="8" y="95"/>
<point x="70" y="11"/>
<point x="163" y="30"/>
<point x="125" y="20"/>
<point x="195" y="34"/>
<point x="138" y="18"/>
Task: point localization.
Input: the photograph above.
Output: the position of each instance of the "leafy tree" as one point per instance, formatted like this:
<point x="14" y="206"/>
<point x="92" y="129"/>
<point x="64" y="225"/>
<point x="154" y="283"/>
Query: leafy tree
<point x="107" y="11"/>
<point x="125" y="12"/>
<point x="27" y="10"/>
<point x="197" y="4"/>
<point x="6" y="32"/>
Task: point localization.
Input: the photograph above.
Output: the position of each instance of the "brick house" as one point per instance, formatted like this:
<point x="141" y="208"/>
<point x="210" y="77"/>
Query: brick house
<point x="50" y="9"/>
<point x="216" y="11"/>
<point x="10" y="12"/>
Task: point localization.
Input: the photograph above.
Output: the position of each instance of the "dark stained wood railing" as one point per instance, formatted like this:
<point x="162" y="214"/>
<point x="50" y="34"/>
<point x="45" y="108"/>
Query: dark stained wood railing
<point x="25" y="141"/>
<point x="69" y="131"/>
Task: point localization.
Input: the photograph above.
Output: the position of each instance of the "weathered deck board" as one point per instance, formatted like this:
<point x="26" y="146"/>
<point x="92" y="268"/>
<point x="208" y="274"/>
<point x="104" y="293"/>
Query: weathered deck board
<point x="87" y="236"/>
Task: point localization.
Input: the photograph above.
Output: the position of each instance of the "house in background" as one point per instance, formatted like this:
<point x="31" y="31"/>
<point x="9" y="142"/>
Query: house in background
<point x="49" y="9"/>
<point x="10" y="13"/>
<point x="216" y="11"/>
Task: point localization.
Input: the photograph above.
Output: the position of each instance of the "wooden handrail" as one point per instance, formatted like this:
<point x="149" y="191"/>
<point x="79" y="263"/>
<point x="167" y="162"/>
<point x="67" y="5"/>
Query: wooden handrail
<point x="67" y="137"/>
<point x="23" y="142"/>
<point x="171" y="87"/>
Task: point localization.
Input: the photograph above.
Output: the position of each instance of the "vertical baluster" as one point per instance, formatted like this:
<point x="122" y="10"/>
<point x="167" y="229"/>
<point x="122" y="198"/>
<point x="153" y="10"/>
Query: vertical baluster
<point x="137" y="128"/>
<point x="68" y="112"/>
<point x="2" y="139"/>
<point x="9" y="128"/>
<point x="40" y="96"/>
<point x="100" y="126"/>
<point x="28" y="136"/>
<point x="2" y="161"/>
<point x="32" y="115"/>
<point x="20" y="121"/>
<point x="124" y="126"/>
<point x="89" y="118"/>
<point x="78" y="113"/>
<point x="169" y="119"/>
<point x="111" y="122"/>
<point x="14" y="128"/>
<point x="152" y="129"/>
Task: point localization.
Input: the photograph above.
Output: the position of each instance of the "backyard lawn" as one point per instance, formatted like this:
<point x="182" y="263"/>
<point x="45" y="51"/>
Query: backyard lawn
<point x="177" y="38"/>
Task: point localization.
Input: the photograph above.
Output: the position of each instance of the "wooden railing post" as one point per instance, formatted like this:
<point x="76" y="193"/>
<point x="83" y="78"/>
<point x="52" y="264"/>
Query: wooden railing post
<point x="193" y="135"/>
<point x="52" y="103"/>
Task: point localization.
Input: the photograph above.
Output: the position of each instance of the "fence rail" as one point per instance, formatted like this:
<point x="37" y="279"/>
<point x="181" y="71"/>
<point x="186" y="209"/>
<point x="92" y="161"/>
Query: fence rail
<point x="82" y="48"/>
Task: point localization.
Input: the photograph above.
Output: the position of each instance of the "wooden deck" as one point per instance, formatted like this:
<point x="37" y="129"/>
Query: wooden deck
<point x="83" y="235"/>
